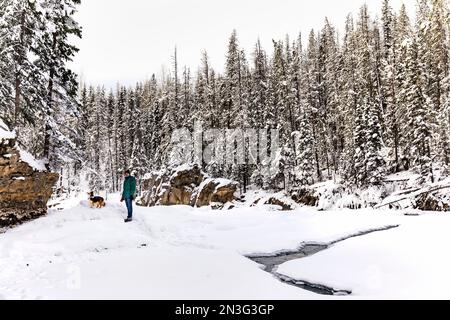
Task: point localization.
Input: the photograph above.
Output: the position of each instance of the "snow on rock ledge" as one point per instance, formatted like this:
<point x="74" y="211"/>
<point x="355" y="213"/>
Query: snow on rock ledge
<point x="25" y="185"/>
<point x="5" y="134"/>
<point x="37" y="165"/>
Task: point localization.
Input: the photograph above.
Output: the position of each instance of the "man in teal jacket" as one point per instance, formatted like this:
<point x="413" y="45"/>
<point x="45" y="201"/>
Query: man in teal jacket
<point x="129" y="193"/>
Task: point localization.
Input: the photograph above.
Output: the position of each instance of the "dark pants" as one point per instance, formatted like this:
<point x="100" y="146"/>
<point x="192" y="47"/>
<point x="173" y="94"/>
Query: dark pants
<point x="129" y="203"/>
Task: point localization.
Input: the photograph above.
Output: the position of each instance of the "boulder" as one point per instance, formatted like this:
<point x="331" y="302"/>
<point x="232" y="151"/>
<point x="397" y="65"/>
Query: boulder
<point x="186" y="176"/>
<point x="215" y="191"/>
<point x="432" y="202"/>
<point x="180" y="187"/>
<point x="185" y="185"/>
<point x="175" y="196"/>
<point x="25" y="186"/>
<point x="152" y="186"/>
<point x="279" y="202"/>
<point x="307" y="197"/>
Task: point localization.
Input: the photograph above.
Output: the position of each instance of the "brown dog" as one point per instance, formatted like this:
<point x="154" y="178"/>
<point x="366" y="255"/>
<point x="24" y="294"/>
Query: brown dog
<point x="95" y="201"/>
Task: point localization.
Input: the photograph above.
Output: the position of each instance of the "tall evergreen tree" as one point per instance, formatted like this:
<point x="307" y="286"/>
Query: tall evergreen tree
<point x="419" y="116"/>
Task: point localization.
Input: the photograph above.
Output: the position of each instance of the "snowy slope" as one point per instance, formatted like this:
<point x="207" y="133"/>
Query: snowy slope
<point x="167" y="252"/>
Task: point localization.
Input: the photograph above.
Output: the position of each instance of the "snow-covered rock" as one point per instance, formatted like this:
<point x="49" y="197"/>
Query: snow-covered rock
<point x="37" y="165"/>
<point x="5" y="133"/>
<point x="215" y="191"/>
<point x="438" y="201"/>
<point x="188" y="185"/>
<point x="403" y="190"/>
<point x="185" y="185"/>
<point x="25" y="185"/>
<point x="305" y="196"/>
<point x="280" y="201"/>
<point x="408" y="190"/>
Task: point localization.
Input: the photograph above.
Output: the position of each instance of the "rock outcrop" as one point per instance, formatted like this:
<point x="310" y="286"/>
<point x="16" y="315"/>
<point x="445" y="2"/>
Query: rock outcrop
<point x="432" y="202"/>
<point x="24" y="187"/>
<point x="213" y="191"/>
<point x="186" y="185"/>
<point x="304" y="196"/>
<point x="279" y="200"/>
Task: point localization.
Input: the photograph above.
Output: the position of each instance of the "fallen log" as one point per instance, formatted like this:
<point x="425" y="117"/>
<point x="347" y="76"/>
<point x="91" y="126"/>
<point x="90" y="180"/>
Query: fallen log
<point x="413" y="195"/>
<point x="402" y="192"/>
<point x="399" y="180"/>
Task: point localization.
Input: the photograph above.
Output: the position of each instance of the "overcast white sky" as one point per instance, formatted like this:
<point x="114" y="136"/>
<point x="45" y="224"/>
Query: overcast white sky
<point x="127" y="41"/>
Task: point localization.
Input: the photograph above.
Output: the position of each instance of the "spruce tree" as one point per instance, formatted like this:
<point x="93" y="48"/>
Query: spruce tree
<point x="419" y="116"/>
<point x="304" y="168"/>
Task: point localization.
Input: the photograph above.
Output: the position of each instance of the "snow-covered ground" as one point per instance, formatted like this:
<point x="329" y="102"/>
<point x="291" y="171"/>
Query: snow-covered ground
<point x="187" y="253"/>
<point x="410" y="262"/>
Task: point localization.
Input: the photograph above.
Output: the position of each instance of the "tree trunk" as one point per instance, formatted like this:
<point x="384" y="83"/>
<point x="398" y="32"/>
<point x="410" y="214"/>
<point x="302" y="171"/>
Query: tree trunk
<point x="48" y="129"/>
<point x="397" y="168"/>
<point x="17" y="102"/>
<point x="431" y="164"/>
<point x="18" y="82"/>
<point x="316" y="155"/>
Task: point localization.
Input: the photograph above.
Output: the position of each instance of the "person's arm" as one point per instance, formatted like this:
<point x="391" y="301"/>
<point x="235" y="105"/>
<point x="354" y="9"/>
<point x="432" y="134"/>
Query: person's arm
<point x="123" y="191"/>
<point x="133" y="188"/>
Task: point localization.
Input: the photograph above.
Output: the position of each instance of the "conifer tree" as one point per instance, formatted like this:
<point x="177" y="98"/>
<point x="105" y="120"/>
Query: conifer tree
<point x="419" y="115"/>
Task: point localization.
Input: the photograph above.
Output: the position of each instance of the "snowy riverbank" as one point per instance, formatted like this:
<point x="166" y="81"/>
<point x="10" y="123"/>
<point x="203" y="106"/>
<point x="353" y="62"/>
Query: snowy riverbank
<point x="187" y="253"/>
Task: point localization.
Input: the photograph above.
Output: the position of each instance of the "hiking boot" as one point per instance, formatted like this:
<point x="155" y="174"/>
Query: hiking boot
<point x="128" y="220"/>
